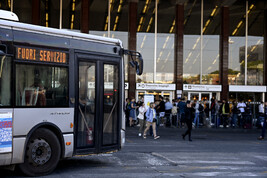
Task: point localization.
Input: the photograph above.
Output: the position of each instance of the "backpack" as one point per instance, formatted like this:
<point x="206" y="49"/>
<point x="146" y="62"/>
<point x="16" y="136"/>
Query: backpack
<point x="200" y="108"/>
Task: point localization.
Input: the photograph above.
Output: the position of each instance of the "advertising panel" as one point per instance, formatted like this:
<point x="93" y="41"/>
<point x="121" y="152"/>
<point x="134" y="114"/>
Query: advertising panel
<point x="148" y="99"/>
<point x="5" y="132"/>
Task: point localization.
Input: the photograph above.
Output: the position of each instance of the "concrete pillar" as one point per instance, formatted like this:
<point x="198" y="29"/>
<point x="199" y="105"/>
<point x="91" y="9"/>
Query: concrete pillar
<point x="132" y="29"/>
<point x="224" y="46"/>
<point x="85" y="16"/>
<point x="178" y="46"/>
<point x="36" y="12"/>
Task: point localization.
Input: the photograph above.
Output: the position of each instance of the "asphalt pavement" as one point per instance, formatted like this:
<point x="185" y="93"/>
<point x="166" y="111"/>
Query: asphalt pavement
<point x="222" y="152"/>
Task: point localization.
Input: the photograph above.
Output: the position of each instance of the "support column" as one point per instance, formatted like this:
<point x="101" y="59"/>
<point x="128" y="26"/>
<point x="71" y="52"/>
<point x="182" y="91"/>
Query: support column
<point x="179" y="45"/>
<point x="265" y="51"/>
<point x="85" y="16"/>
<point x="224" y="46"/>
<point x="36" y="12"/>
<point x="132" y="27"/>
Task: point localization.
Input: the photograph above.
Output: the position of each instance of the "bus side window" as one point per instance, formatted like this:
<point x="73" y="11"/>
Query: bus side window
<point x="5" y="81"/>
<point x="41" y="86"/>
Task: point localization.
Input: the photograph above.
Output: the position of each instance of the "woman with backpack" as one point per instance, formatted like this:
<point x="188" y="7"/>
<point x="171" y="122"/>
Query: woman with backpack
<point x="151" y="120"/>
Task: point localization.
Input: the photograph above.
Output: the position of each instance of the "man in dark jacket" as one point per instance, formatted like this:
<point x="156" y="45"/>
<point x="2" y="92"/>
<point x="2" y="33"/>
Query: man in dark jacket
<point x="182" y="107"/>
<point x="188" y="119"/>
<point x="225" y="110"/>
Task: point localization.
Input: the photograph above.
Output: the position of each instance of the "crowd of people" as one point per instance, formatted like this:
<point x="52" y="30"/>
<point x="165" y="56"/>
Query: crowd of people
<point x="181" y="112"/>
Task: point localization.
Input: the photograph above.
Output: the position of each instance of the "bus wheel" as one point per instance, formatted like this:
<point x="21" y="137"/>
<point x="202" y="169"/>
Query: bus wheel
<point x="42" y="153"/>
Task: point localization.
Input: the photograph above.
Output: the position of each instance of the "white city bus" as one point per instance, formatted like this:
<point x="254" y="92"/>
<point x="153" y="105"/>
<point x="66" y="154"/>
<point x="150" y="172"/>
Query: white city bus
<point x="61" y="94"/>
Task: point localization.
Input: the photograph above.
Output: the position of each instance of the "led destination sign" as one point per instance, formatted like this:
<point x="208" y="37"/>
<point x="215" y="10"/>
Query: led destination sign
<point x="41" y="55"/>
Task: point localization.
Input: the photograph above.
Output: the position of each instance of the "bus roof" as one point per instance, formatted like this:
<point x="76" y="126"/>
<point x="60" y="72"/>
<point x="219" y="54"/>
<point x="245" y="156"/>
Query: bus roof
<point x="57" y="32"/>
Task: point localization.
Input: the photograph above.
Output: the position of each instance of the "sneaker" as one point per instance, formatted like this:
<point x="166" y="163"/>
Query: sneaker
<point x="260" y="138"/>
<point x="144" y="136"/>
<point x="139" y="134"/>
<point x="156" y="137"/>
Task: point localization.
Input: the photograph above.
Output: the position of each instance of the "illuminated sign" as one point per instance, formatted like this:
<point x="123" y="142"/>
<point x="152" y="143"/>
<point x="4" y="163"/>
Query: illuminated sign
<point x="41" y="55"/>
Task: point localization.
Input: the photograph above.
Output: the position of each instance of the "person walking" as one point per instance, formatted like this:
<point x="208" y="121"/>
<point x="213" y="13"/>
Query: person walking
<point x="132" y="114"/>
<point x="181" y="116"/>
<point x="141" y="117"/>
<point x="151" y="120"/>
<point x="263" y="130"/>
<point x="188" y="119"/>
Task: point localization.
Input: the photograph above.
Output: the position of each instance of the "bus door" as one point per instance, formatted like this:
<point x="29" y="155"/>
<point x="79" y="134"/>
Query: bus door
<point x="97" y="112"/>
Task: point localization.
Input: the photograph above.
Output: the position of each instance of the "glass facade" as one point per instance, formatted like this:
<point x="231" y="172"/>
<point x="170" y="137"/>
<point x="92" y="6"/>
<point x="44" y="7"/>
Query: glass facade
<point x="201" y="53"/>
<point x="255" y="60"/>
<point x="145" y="45"/>
<point x="244" y="48"/>
<point x="123" y="36"/>
<point x="210" y="60"/>
<point x="191" y="64"/>
<point x="235" y="77"/>
<point x="255" y="46"/>
<point x="191" y="54"/>
<point x="165" y="58"/>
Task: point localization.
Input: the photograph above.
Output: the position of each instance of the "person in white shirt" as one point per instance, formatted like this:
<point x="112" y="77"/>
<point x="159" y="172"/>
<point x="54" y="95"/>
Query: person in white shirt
<point x="241" y="106"/>
<point x="261" y="108"/>
<point x="142" y="121"/>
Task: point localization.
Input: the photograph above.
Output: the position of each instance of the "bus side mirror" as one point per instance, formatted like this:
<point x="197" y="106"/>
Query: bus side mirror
<point x="136" y="63"/>
<point x="139" y="65"/>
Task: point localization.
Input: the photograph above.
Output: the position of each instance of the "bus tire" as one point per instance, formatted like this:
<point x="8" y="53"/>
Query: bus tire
<point x="42" y="153"/>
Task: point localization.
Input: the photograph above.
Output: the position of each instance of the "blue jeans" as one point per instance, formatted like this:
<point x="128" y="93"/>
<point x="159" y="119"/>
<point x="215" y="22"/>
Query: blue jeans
<point x="263" y="129"/>
<point x="234" y="118"/>
<point x="196" y="120"/>
<point x="213" y="117"/>
<point x="217" y="120"/>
